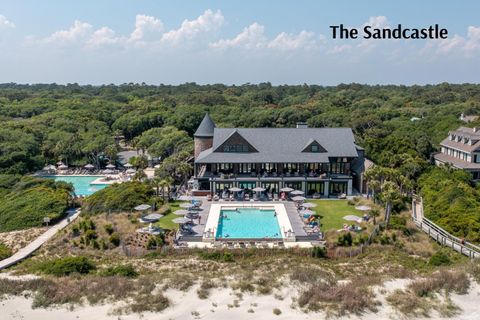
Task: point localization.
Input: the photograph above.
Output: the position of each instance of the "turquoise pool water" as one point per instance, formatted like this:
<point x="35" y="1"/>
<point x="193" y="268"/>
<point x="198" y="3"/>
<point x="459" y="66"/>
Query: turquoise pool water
<point x="81" y="183"/>
<point x="248" y="223"/>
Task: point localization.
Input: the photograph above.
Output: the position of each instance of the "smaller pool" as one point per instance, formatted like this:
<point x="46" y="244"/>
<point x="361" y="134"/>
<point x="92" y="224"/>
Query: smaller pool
<point x="248" y="223"/>
<point x="81" y="184"/>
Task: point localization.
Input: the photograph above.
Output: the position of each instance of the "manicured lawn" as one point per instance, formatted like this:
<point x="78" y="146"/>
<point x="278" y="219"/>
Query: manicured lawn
<point x="331" y="213"/>
<point x="166" y="221"/>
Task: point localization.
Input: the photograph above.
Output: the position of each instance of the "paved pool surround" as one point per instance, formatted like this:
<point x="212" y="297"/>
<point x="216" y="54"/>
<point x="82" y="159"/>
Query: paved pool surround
<point x="211" y="226"/>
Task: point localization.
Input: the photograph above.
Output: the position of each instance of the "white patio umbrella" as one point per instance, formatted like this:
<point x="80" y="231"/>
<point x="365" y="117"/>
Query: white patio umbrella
<point x="59" y="163"/>
<point x="108" y="171"/>
<point x="131" y="171"/>
<point x="152" y="217"/>
<point x="298" y="198"/>
<point x="181" y="220"/>
<point x="49" y="167"/>
<point x="181" y="212"/>
<point x="363" y="208"/>
<point x="186" y="205"/>
<point x="235" y="189"/>
<point x="110" y="166"/>
<point x="128" y="165"/>
<point x="309" y="205"/>
<point x="258" y="189"/>
<point x="286" y="189"/>
<point x="142" y="207"/>
<point x="62" y="167"/>
<point x="297" y="192"/>
<point x="306" y="211"/>
<point x="89" y="166"/>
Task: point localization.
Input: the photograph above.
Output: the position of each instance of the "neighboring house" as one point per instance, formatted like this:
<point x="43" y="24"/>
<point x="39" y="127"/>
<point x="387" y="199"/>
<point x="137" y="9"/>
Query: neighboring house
<point x="467" y="119"/>
<point x="319" y="161"/>
<point x="461" y="150"/>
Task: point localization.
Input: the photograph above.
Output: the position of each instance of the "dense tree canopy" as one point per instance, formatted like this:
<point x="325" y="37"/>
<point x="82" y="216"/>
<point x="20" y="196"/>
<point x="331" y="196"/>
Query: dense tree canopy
<point x="77" y="124"/>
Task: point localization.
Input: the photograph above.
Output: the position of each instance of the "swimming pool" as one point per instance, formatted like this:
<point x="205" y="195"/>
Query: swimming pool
<point x="82" y="184"/>
<point x="248" y="223"/>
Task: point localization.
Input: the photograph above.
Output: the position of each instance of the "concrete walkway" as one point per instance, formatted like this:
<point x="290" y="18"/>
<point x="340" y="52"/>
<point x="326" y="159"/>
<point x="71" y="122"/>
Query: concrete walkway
<point x="37" y="243"/>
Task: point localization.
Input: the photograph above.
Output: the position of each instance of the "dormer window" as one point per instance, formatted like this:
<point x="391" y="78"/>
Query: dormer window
<point x="235" y="148"/>
<point x="236" y="143"/>
<point x="313" y="146"/>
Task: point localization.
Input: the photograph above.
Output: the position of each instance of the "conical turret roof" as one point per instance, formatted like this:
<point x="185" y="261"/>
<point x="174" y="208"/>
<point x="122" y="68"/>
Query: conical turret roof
<point x="205" y="129"/>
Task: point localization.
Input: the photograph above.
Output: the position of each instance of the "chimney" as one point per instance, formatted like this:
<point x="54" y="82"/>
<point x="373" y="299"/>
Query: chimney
<point x="302" y="125"/>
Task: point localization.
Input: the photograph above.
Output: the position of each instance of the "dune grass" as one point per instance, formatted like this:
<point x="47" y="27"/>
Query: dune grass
<point x="331" y="213"/>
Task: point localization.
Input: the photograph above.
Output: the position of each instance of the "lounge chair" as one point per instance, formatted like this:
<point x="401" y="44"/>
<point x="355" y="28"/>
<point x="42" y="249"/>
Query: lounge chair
<point x="275" y="197"/>
<point x="209" y="197"/>
<point x="247" y="197"/>
<point x="216" y="197"/>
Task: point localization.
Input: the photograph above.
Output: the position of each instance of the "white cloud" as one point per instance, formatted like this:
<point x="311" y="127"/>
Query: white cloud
<point x="146" y="27"/>
<point x="377" y="22"/>
<point x="339" y="49"/>
<point x="101" y="37"/>
<point x="468" y="45"/>
<point x="285" y="41"/>
<point x="5" y="23"/>
<point x="78" y="31"/>
<point x="209" y="21"/>
<point x="251" y="37"/>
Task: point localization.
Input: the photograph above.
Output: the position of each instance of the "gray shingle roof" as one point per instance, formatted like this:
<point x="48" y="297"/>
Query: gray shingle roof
<point x="205" y="129"/>
<point x="282" y="145"/>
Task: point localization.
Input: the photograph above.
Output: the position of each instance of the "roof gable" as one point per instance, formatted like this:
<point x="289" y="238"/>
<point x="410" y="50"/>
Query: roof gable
<point x="313" y="146"/>
<point x="236" y="143"/>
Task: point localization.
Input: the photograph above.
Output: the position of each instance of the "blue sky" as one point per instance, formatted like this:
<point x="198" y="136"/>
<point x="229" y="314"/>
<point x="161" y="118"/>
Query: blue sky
<point x="233" y="42"/>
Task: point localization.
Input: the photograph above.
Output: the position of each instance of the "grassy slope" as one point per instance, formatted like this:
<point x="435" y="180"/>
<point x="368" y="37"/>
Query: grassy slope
<point x="332" y="213"/>
<point x="166" y="221"/>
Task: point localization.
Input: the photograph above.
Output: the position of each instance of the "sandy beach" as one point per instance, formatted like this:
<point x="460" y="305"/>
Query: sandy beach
<point x="225" y="304"/>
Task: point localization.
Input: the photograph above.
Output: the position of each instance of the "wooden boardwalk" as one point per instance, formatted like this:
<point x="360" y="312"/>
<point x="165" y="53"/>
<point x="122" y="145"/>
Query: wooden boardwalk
<point x="38" y="242"/>
<point x="440" y="235"/>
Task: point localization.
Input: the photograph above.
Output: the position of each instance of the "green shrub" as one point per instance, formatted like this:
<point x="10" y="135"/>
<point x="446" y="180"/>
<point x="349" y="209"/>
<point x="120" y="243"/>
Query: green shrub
<point x="5" y="251"/>
<point x="109" y="229"/>
<point x="319" y="252"/>
<point x="155" y="242"/>
<point x="29" y="200"/>
<point x="66" y="266"/>
<point x="121" y="270"/>
<point x="75" y="230"/>
<point x="439" y="258"/>
<point x="118" y="197"/>
<point x="385" y="239"/>
<point x="216" y="255"/>
<point x="227" y="257"/>
<point x="114" y="239"/>
<point x="345" y="239"/>
<point x="90" y="235"/>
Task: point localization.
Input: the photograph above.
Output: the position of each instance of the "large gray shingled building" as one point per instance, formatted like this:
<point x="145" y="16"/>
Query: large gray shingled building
<point x="322" y="162"/>
<point x="461" y="149"/>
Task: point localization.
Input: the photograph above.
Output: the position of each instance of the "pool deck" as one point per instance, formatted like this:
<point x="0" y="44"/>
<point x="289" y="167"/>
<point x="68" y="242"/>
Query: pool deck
<point x="291" y="211"/>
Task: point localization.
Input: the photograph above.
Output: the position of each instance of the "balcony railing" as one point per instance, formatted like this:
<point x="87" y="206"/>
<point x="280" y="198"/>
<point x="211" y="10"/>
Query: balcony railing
<point x="273" y="176"/>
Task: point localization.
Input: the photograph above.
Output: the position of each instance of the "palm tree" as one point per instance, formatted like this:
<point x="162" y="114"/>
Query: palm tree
<point x="165" y="183"/>
<point x="389" y="194"/>
<point x="374" y="214"/>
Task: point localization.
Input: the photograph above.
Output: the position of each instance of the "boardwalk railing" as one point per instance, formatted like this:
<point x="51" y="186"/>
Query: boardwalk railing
<point x="440" y="235"/>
